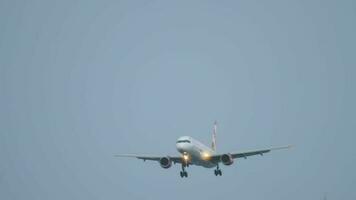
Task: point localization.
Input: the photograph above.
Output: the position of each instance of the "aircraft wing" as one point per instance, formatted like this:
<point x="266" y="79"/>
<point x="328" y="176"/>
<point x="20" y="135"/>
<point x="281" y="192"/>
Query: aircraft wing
<point x="245" y="154"/>
<point x="175" y="159"/>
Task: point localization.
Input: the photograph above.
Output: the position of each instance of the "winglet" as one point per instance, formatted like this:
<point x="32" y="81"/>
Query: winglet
<point x="282" y="147"/>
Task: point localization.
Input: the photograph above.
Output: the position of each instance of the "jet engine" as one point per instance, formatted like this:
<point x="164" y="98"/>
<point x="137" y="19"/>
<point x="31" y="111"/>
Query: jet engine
<point x="227" y="159"/>
<point x="165" y="162"/>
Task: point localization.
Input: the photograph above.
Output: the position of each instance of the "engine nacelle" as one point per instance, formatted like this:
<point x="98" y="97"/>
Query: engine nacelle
<point x="165" y="162"/>
<point x="227" y="159"/>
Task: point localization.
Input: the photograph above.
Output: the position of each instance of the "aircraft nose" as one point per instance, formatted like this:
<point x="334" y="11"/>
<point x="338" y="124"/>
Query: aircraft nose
<point x="180" y="147"/>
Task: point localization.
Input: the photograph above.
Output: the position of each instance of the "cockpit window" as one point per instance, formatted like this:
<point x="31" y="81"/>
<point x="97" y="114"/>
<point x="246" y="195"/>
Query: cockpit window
<point x="183" y="141"/>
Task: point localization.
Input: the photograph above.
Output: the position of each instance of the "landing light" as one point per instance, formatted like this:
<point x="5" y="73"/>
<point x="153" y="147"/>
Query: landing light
<point x="185" y="157"/>
<point x="206" y="156"/>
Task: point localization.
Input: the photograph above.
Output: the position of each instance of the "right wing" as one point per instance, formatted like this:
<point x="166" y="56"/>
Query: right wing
<point x="175" y="159"/>
<point x="244" y="154"/>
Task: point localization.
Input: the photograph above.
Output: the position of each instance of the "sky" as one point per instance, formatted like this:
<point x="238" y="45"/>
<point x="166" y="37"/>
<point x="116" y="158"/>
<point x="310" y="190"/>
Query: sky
<point x="83" y="80"/>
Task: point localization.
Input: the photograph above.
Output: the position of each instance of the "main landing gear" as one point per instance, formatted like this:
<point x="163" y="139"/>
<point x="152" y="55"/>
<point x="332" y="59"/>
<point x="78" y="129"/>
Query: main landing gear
<point x="183" y="173"/>
<point x="217" y="171"/>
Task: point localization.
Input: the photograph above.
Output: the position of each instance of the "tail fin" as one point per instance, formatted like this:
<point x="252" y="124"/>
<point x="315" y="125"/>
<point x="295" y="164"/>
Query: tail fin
<point x="213" y="143"/>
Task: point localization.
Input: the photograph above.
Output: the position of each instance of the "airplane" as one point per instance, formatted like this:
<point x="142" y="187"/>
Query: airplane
<point x="194" y="152"/>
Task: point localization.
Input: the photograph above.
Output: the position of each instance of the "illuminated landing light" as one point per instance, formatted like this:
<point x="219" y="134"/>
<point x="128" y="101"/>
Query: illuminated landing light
<point x="206" y="156"/>
<point x="185" y="157"/>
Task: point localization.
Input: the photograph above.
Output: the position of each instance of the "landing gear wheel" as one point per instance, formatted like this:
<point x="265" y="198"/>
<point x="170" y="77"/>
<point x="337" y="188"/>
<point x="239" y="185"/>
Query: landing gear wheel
<point x="183" y="174"/>
<point x="217" y="171"/>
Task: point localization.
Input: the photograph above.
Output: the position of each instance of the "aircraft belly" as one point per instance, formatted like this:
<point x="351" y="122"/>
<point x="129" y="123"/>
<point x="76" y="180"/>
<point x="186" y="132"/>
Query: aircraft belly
<point x="206" y="164"/>
<point x="196" y="160"/>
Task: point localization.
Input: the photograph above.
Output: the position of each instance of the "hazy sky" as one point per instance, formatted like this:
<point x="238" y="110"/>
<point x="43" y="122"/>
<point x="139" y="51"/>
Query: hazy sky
<point x="82" y="80"/>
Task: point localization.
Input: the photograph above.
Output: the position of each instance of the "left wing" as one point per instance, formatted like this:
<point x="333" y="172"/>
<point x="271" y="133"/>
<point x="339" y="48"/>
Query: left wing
<point x="244" y="154"/>
<point x="175" y="159"/>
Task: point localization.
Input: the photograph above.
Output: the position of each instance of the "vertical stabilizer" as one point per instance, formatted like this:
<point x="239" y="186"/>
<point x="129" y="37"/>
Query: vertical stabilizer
<point x="213" y="143"/>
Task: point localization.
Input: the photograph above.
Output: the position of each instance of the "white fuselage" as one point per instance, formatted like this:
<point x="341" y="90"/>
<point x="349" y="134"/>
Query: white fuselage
<point x="195" y="152"/>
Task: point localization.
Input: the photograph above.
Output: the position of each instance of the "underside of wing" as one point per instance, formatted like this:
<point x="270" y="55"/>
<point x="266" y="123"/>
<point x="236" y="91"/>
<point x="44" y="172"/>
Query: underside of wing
<point x="174" y="159"/>
<point x="245" y="154"/>
<point x="228" y="157"/>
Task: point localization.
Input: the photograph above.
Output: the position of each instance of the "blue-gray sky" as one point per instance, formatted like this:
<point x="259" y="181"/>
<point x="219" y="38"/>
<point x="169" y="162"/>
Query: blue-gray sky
<point x="82" y="80"/>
